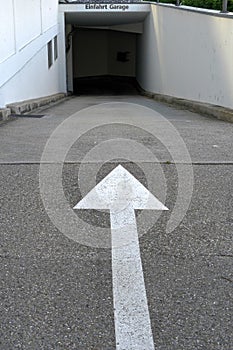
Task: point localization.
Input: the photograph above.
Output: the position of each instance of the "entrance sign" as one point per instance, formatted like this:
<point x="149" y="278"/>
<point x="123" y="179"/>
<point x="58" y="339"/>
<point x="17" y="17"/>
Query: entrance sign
<point x="114" y="7"/>
<point x="121" y="193"/>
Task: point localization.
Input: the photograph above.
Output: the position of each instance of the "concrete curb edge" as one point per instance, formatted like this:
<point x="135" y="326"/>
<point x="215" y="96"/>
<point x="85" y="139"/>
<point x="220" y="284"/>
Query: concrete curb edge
<point x="4" y="114"/>
<point x="30" y="105"/>
<point x="219" y="112"/>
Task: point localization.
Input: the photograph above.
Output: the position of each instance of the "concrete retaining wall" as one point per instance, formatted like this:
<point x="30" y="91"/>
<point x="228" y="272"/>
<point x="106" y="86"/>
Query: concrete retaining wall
<point x="187" y="54"/>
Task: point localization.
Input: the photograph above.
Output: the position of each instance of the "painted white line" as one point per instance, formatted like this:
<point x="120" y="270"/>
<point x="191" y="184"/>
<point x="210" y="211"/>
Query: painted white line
<point x="121" y="193"/>
<point x="132" y="319"/>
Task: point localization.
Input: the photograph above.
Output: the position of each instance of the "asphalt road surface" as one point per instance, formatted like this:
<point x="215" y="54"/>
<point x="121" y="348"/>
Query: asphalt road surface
<point x="56" y="262"/>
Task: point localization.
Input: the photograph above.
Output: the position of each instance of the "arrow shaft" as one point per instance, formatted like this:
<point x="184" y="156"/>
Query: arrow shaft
<point x="132" y="319"/>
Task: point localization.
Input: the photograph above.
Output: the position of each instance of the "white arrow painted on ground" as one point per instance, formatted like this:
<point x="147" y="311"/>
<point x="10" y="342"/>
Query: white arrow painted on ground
<point x="122" y="193"/>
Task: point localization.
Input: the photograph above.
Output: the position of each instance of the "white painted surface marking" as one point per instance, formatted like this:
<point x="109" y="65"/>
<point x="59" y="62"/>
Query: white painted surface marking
<point x="121" y="193"/>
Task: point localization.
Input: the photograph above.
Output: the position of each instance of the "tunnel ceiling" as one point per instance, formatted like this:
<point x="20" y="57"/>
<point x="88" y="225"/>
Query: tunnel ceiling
<point x="104" y="18"/>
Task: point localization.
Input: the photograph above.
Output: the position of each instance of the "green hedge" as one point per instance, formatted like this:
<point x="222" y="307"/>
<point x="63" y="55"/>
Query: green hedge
<point x="209" y="4"/>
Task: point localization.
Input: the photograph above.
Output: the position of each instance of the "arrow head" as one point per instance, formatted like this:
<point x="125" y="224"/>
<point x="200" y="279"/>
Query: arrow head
<point x="118" y="190"/>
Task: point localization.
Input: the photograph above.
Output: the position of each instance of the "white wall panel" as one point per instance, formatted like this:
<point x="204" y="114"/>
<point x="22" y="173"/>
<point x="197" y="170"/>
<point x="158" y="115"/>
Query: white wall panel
<point x="28" y="21"/>
<point x="7" y="44"/>
<point x="34" y="80"/>
<point x="49" y="13"/>
<point x="29" y="64"/>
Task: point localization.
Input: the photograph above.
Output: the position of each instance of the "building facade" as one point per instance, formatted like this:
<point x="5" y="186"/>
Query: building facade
<point x="170" y="50"/>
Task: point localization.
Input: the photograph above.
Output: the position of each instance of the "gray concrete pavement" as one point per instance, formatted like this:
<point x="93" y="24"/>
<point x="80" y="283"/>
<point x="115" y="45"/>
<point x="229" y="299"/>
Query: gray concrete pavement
<point x="207" y="139"/>
<point x="56" y="292"/>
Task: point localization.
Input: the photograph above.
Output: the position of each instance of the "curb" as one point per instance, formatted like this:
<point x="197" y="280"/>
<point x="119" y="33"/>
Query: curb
<point x="4" y="114"/>
<point x="221" y="113"/>
<point x="30" y="105"/>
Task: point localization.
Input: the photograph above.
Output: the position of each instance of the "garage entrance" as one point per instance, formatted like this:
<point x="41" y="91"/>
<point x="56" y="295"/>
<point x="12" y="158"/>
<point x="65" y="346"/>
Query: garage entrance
<point x="101" y="48"/>
<point x="104" y="62"/>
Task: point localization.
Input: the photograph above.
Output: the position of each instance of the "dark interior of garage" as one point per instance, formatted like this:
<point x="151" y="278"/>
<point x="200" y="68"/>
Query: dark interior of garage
<point x="104" y="62"/>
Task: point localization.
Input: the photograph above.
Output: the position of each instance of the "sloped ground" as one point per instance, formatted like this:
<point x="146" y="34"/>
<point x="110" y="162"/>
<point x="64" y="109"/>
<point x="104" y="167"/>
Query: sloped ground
<point x="56" y="292"/>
